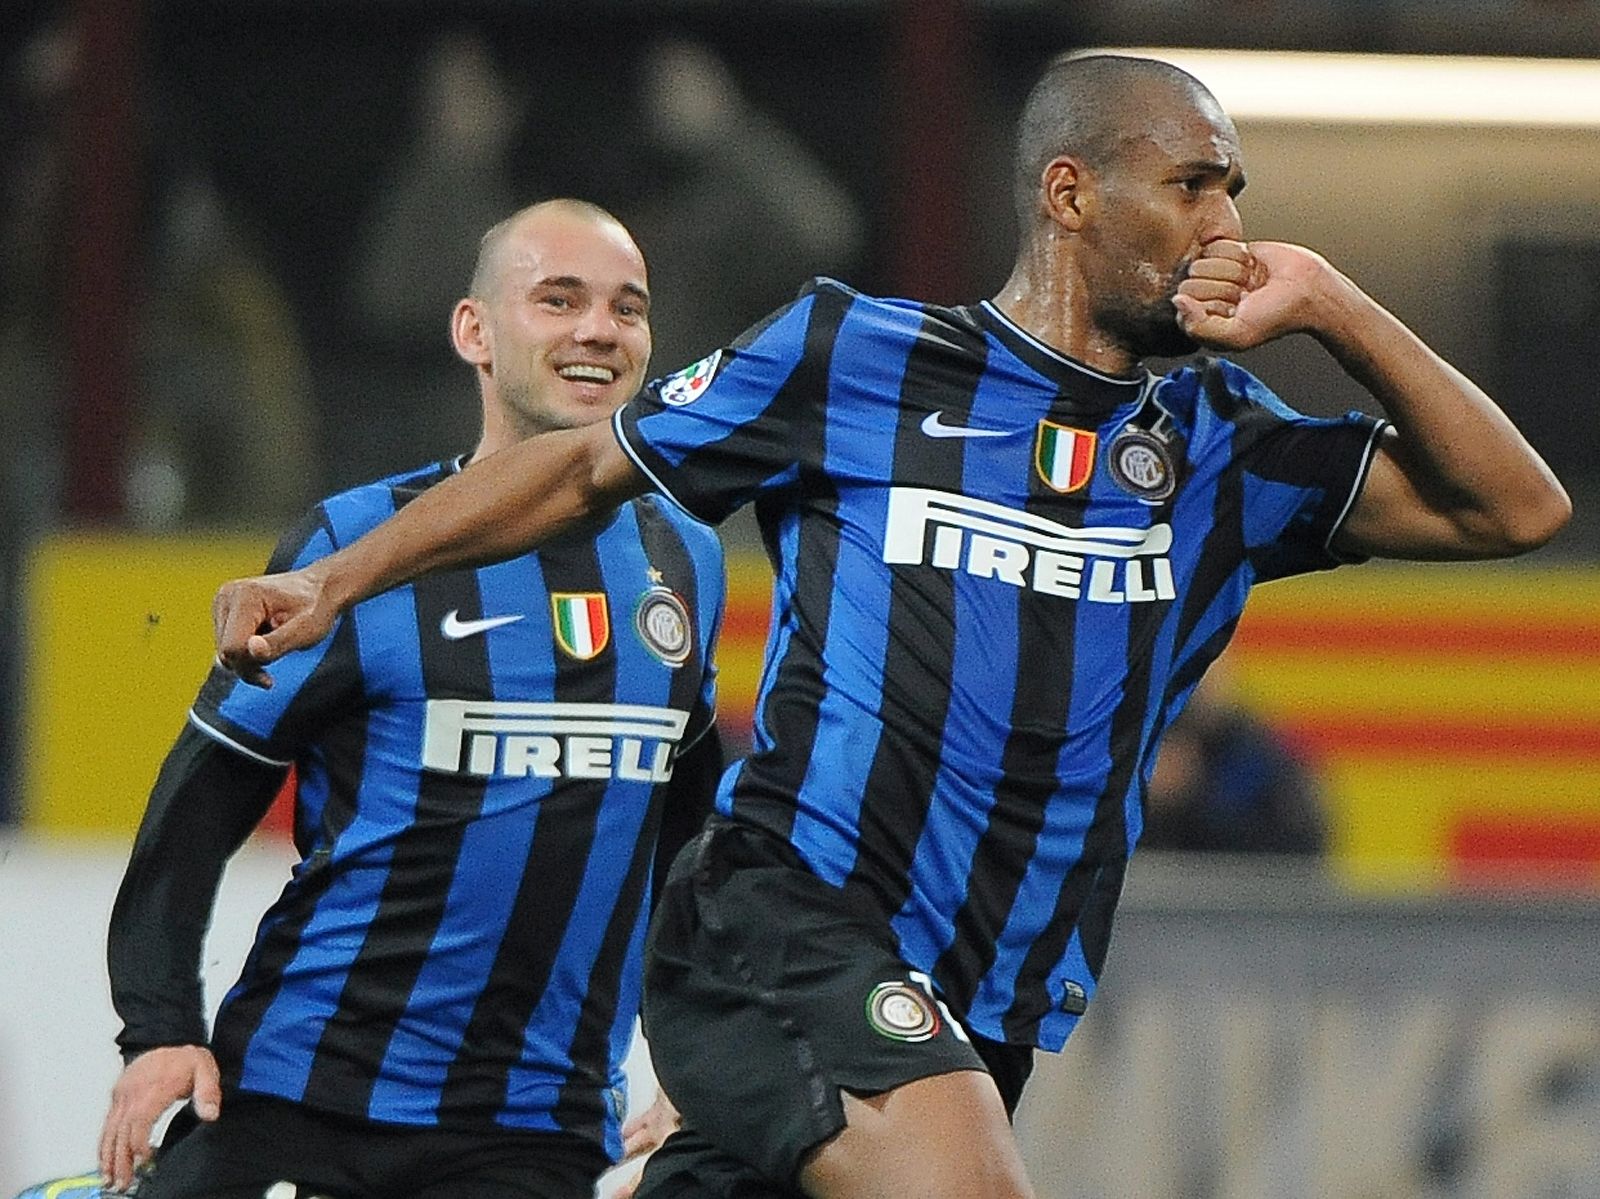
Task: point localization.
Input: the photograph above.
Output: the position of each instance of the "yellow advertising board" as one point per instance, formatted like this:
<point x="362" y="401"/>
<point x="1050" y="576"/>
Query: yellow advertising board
<point x="118" y="634"/>
<point x="1454" y="712"/>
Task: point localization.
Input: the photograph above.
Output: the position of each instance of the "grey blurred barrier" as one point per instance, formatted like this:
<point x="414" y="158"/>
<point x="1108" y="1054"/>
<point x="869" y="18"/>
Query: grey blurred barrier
<point x="1260" y="1034"/>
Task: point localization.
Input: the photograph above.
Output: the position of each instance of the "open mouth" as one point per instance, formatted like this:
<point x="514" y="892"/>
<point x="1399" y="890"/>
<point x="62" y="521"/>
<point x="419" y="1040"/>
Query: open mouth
<point x="585" y="372"/>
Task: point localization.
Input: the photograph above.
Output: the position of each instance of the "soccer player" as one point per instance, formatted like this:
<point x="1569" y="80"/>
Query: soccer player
<point x="1005" y="554"/>
<point x="439" y="1003"/>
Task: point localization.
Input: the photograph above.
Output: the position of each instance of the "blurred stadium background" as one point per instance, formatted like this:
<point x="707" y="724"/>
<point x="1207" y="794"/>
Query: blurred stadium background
<point x="230" y="232"/>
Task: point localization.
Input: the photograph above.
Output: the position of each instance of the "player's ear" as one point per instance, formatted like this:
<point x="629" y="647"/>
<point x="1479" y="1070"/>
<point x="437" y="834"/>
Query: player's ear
<point x="1062" y="192"/>
<point x="470" y="334"/>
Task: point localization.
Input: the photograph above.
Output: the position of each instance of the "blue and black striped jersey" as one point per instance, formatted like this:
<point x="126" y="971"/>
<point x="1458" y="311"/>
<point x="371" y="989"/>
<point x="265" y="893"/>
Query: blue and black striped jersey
<point x="481" y="759"/>
<point x="999" y="576"/>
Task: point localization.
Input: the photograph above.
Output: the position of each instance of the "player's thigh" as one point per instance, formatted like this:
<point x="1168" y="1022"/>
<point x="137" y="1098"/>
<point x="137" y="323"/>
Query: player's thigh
<point x="688" y="1166"/>
<point x="504" y="1164"/>
<point x="258" y="1147"/>
<point x="224" y="1161"/>
<point x="541" y="1186"/>
<point x="944" y="1137"/>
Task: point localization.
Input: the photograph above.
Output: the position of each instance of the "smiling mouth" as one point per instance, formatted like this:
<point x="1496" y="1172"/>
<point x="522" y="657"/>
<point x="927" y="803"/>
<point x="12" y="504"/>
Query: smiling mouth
<point x="584" y="372"/>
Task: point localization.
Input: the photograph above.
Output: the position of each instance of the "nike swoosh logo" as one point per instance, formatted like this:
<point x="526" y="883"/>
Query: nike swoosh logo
<point x="453" y="627"/>
<point x="933" y="426"/>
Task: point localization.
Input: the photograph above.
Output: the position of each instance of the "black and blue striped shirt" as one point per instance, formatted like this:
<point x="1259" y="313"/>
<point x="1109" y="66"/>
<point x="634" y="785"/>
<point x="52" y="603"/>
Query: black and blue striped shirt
<point x="482" y="760"/>
<point x="999" y="576"/>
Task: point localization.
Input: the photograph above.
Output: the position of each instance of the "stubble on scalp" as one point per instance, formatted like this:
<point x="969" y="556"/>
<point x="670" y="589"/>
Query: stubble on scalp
<point x="1092" y="108"/>
<point x="491" y="260"/>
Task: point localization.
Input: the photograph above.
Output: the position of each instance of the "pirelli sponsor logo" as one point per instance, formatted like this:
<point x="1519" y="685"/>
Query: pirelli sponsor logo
<point x="511" y="739"/>
<point x="1105" y="564"/>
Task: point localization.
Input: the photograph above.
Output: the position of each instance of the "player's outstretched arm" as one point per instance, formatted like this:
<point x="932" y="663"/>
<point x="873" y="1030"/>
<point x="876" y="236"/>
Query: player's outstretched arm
<point x="501" y="506"/>
<point x="1453" y="478"/>
<point x="150" y="1084"/>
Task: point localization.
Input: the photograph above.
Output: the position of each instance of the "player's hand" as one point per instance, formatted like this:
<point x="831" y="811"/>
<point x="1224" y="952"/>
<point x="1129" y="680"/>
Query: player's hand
<point x="643" y="1134"/>
<point x="257" y="621"/>
<point x="1243" y="294"/>
<point x="149" y="1085"/>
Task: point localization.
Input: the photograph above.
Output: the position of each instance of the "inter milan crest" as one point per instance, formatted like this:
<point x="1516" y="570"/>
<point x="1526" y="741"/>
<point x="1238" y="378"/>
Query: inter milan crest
<point x="662" y="621"/>
<point x="1141" y="463"/>
<point x="1064" y="456"/>
<point x="690" y="383"/>
<point x="581" y="621"/>
<point x="900" y="1012"/>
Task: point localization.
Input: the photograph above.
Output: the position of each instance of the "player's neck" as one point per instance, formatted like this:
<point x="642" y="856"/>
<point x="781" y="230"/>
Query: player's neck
<point x="501" y="430"/>
<point x="1046" y="297"/>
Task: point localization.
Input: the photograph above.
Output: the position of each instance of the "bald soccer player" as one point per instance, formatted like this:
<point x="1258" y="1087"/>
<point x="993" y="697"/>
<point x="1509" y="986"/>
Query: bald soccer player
<point x="439" y="1003"/>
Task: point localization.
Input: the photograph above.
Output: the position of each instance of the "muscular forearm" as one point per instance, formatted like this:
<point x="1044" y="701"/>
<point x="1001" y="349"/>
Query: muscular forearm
<point x="1453" y="477"/>
<point x="494" y="509"/>
<point x="1456" y="449"/>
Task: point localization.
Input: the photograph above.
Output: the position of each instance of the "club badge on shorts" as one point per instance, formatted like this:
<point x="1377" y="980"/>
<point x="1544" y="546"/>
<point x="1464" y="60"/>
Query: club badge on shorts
<point x="662" y="621"/>
<point x="690" y="383"/>
<point x="901" y="1012"/>
<point x="1141" y="463"/>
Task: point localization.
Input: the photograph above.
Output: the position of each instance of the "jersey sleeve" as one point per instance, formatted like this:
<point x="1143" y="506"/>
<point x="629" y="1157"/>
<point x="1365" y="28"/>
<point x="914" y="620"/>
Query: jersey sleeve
<point x="1299" y="475"/>
<point x="717" y="434"/>
<point x="271" y="726"/>
<point x="205" y="802"/>
<point x="713" y="596"/>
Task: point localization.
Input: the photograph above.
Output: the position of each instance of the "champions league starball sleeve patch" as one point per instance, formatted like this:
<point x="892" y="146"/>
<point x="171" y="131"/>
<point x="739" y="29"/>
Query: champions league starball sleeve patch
<point x="690" y="383"/>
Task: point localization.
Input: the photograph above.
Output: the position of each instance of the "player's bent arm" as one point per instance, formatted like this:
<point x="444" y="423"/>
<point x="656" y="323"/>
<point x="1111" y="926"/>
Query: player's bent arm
<point x="1396" y="516"/>
<point x="1453" y="477"/>
<point x="499" y="507"/>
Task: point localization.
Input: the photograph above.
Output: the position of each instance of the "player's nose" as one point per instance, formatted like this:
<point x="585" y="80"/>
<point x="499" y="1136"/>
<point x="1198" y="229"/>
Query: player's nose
<point x="597" y="326"/>
<point x="1224" y="221"/>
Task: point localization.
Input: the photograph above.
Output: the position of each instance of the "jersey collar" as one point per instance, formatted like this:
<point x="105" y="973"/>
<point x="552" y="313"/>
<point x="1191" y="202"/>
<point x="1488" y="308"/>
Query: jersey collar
<point x="1083" y="387"/>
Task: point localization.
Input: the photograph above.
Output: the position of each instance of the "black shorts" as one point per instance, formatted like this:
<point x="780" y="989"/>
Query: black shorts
<point x="767" y="995"/>
<point x="260" y="1140"/>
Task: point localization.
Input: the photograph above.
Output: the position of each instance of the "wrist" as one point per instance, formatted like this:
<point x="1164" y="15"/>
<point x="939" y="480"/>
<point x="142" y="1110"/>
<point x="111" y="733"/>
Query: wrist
<point x="332" y="583"/>
<point x="130" y="1052"/>
<point x="1339" y="314"/>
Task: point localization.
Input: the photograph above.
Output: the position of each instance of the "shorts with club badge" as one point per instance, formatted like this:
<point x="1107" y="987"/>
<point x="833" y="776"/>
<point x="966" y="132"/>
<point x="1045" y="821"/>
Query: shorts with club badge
<point x="767" y="994"/>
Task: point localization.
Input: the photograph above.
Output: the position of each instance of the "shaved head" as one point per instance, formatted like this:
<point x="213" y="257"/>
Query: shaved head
<point x="491" y="248"/>
<point x="1090" y="107"/>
